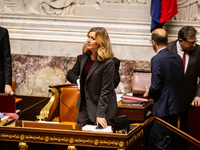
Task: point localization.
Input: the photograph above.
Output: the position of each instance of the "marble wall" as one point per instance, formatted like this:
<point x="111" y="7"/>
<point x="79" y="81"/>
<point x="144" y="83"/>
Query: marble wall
<point x="46" y="36"/>
<point x="35" y="73"/>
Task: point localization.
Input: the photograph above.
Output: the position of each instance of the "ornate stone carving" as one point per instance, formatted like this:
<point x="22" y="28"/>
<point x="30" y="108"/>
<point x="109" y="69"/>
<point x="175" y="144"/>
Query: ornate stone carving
<point x="57" y="7"/>
<point x="142" y="1"/>
<point x="124" y="1"/>
<point x="82" y="2"/>
<point x="198" y="17"/>
<point x="28" y="8"/>
<point x="3" y="7"/>
<point x="129" y="1"/>
<point x="188" y="10"/>
<point x="112" y="1"/>
<point x="23" y="6"/>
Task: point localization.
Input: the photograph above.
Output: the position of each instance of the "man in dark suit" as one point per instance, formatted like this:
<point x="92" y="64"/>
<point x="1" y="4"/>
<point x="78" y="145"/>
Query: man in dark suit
<point x="186" y="43"/>
<point x="166" y="89"/>
<point x="5" y="62"/>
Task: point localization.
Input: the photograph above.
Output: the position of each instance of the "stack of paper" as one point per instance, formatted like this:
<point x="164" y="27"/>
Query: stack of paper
<point x="4" y="118"/>
<point x="93" y="128"/>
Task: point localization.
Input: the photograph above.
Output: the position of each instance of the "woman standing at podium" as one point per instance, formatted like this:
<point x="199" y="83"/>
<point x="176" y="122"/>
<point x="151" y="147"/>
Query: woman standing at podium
<point x="95" y="69"/>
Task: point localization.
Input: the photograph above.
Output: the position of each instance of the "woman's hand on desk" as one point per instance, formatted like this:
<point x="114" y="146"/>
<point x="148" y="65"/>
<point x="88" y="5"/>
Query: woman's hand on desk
<point x="102" y="122"/>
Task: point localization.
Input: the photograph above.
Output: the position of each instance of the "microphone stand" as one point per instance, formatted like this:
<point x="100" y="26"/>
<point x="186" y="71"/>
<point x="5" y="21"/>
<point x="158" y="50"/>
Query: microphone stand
<point x="66" y="104"/>
<point x="19" y="121"/>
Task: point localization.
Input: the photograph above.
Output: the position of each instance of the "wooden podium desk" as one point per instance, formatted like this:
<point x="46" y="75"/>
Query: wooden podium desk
<point x="57" y="137"/>
<point x="194" y="124"/>
<point x="135" y="113"/>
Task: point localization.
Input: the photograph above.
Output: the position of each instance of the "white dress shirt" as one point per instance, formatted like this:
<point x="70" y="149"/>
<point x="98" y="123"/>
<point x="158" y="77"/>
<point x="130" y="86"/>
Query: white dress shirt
<point x="160" y="50"/>
<point x="180" y="52"/>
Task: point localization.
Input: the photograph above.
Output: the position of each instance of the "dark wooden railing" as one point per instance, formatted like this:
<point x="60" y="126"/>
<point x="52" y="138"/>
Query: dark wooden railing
<point x="184" y="135"/>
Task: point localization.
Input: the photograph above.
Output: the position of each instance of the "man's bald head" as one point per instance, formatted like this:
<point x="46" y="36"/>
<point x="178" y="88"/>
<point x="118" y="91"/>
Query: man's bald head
<point x="160" y="37"/>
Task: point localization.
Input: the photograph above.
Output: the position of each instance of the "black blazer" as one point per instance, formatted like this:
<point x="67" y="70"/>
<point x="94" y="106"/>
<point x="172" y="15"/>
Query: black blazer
<point x="190" y="88"/>
<point x="5" y="60"/>
<point x="98" y="87"/>
<point x="166" y="83"/>
<point x="116" y="79"/>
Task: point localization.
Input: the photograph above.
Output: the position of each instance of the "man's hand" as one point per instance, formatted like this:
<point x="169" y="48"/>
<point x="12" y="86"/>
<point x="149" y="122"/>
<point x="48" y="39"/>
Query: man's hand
<point x="8" y="89"/>
<point x="196" y="100"/>
<point x="146" y="94"/>
<point x="102" y="122"/>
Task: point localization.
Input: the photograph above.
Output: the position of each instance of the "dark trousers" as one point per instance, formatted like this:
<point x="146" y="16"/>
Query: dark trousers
<point x="83" y="117"/>
<point x="163" y="138"/>
<point x="184" y="126"/>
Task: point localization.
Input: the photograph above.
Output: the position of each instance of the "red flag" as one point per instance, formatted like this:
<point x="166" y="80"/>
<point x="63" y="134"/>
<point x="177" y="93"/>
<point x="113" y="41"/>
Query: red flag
<point x="168" y="10"/>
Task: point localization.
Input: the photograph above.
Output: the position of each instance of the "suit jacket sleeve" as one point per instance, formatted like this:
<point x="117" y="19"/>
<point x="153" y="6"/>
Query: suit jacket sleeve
<point x="116" y="74"/>
<point x="198" y="90"/>
<point x="198" y="87"/>
<point x="7" y="58"/>
<point x="156" y="79"/>
<point x="74" y="73"/>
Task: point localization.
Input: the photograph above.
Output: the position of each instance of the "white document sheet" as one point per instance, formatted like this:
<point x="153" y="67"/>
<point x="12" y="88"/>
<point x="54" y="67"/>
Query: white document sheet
<point x="93" y="128"/>
<point x="4" y="118"/>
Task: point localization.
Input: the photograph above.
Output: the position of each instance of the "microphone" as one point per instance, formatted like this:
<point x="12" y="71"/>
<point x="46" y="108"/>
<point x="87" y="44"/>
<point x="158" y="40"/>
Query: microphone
<point x="34" y="104"/>
<point x="66" y="104"/>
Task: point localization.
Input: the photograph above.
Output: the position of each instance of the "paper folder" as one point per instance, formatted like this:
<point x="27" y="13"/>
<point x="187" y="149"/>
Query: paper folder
<point x="137" y="99"/>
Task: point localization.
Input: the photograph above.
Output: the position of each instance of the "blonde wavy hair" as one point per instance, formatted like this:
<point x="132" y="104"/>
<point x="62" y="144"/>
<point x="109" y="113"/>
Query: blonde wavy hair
<point x="102" y="38"/>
